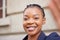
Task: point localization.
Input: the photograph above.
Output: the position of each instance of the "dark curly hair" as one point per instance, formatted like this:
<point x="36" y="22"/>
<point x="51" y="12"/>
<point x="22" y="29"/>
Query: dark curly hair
<point x="35" y="5"/>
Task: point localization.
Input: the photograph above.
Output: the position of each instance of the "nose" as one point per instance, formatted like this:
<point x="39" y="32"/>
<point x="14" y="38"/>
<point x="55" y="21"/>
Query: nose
<point x="30" y="21"/>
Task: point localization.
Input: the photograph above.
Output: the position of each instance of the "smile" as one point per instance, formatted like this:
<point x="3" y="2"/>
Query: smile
<point x="31" y="28"/>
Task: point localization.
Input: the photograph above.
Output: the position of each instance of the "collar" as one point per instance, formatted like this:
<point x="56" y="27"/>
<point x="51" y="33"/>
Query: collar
<point x="42" y="36"/>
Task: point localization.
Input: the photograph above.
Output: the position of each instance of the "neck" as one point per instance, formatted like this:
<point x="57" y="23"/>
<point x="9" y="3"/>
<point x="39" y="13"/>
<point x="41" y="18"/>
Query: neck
<point x="33" y="37"/>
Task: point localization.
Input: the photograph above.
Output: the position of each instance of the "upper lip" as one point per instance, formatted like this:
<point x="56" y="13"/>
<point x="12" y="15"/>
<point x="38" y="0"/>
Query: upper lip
<point x="30" y="26"/>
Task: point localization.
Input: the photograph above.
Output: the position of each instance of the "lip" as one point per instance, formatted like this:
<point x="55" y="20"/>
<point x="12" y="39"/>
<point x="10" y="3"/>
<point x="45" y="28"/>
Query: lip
<point x="31" y="28"/>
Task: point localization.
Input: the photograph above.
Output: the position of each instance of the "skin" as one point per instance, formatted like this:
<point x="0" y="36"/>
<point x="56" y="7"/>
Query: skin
<point x="33" y="17"/>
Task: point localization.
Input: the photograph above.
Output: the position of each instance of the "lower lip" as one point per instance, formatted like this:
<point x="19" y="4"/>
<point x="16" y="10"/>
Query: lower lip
<point x="31" y="29"/>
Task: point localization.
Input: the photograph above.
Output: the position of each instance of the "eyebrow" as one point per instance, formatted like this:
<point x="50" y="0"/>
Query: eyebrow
<point x="36" y="14"/>
<point x="25" y="15"/>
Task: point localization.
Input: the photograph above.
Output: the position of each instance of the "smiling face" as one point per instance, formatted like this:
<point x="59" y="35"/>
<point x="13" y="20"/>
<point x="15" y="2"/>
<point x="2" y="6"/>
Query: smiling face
<point x="33" y="20"/>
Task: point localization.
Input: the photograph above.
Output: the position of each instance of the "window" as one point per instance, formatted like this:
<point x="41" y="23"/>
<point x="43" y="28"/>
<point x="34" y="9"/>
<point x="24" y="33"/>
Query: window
<point x="3" y="8"/>
<point x="1" y="2"/>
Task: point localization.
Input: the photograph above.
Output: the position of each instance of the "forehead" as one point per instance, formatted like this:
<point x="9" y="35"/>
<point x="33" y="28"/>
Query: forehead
<point x="33" y="10"/>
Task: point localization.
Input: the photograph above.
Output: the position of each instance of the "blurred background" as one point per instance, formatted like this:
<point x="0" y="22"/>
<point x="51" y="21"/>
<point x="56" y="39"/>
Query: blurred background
<point x="11" y="17"/>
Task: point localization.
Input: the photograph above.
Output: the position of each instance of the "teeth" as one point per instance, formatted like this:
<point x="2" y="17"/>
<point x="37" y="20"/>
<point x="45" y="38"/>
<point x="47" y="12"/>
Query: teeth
<point x="31" y="28"/>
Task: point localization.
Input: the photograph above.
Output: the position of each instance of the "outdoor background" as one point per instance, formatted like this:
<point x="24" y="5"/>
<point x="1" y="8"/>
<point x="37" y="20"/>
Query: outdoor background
<point x="11" y="18"/>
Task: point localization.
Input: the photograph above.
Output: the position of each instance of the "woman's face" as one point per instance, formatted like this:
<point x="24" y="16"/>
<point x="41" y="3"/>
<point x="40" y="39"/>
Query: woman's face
<point x="33" y="20"/>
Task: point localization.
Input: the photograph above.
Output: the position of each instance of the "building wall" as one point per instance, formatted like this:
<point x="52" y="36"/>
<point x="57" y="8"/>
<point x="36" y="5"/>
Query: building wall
<point x="14" y="21"/>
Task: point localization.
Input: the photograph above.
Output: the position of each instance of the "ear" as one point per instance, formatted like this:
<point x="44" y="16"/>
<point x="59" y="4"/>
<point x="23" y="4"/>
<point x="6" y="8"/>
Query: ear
<point x="44" y="20"/>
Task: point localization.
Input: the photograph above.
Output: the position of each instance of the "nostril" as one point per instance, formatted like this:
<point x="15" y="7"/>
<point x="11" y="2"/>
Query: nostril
<point x="30" y="23"/>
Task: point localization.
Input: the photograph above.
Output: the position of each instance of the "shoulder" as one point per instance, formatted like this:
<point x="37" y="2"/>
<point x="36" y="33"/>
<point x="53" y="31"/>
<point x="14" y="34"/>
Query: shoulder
<point x="53" y="36"/>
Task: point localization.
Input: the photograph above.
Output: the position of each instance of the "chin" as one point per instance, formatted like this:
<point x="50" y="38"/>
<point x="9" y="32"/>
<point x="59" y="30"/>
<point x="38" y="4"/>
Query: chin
<point x="32" y="33"/>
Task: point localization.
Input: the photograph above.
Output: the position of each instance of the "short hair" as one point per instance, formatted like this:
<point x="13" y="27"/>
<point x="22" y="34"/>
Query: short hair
<point x="35" y="5"/>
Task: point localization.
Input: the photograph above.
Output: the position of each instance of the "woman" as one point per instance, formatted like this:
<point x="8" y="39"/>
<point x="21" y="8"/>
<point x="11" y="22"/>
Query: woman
<point x="34" y="18"/>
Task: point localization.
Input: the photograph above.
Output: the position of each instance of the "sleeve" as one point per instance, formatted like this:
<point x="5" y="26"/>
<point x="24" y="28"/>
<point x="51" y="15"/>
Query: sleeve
<point x="53" y="36"/>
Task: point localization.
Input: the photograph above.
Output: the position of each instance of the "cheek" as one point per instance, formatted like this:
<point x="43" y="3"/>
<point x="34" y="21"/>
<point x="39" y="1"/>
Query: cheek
<point x="39" y="23"/>
<point x="24" y="24"/>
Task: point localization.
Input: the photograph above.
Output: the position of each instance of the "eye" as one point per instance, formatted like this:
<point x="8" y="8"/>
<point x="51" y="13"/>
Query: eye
<point x="36" y="18"/>
<point x="25" y="18"/>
